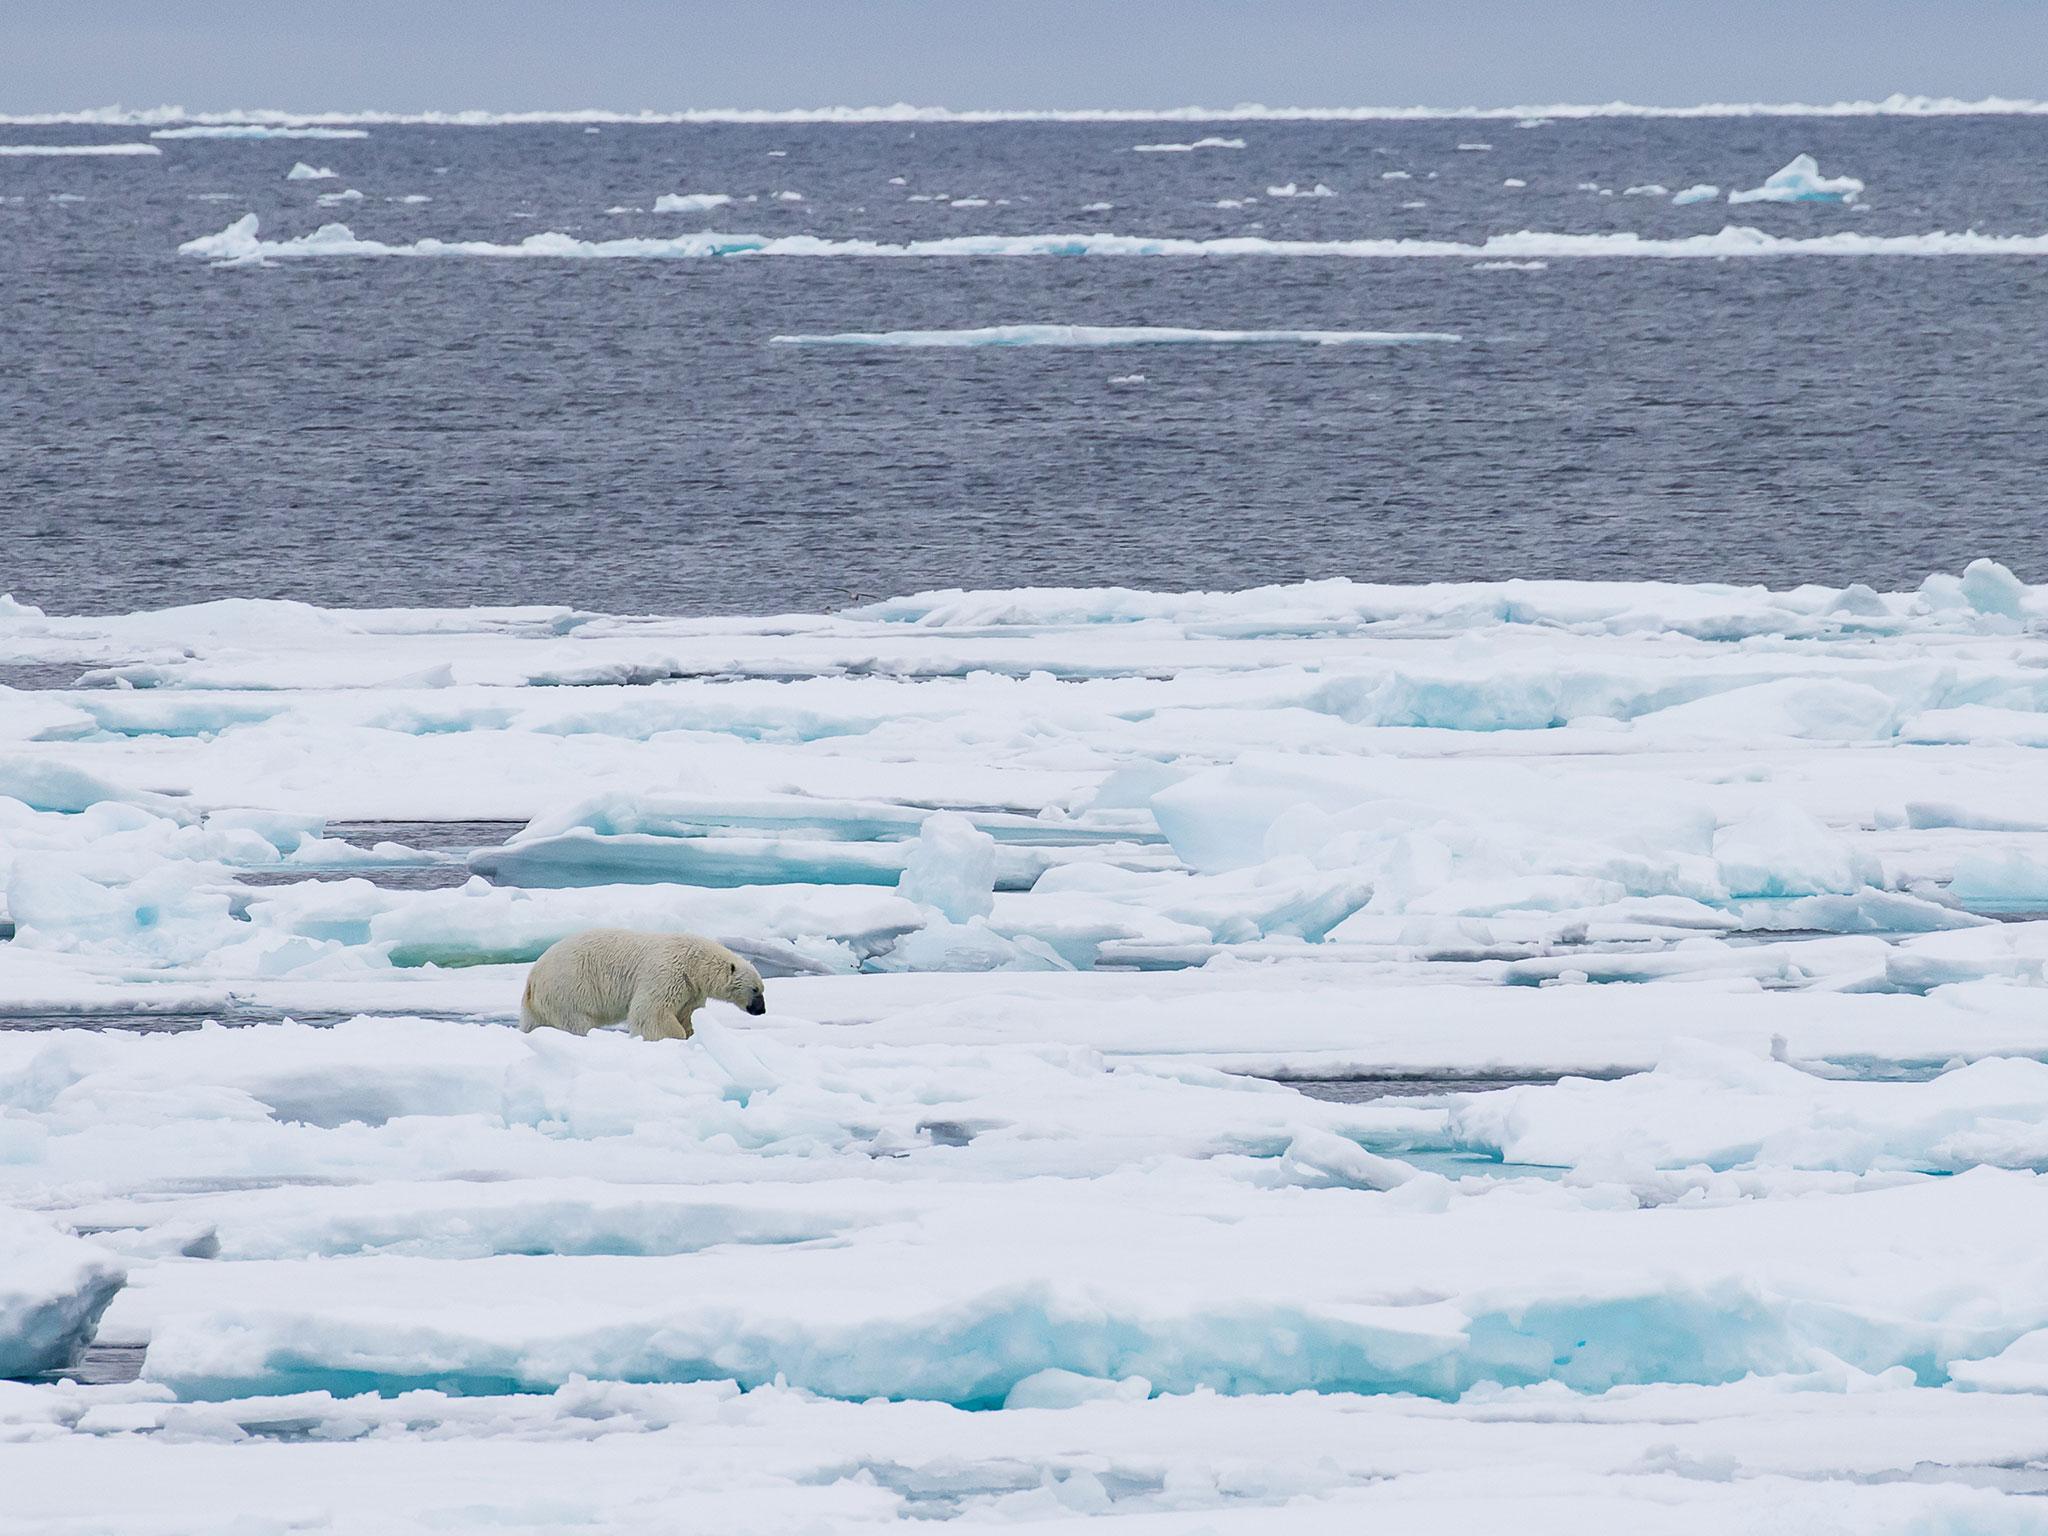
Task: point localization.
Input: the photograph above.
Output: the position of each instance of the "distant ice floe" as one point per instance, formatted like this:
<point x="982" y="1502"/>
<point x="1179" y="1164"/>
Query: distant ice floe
<point x="1702" y="192"/>
<point x="336" y="199"/>
<point x="241" y="241"/>
<point x="1647" y="189"/>
<point x="1176" y="149"/>
<point x="1107" y="336"/>
<point x="1474" y="149"/>
<point x="789" y="197"/>
<point x="25" y="150"/>
<point x="256" y="131"/>
<point x="1126" y="378"/>
<point x="1290" y="189"/>
<point x="1800" y="181"/>
<point x="304" y="172"/>
<point x="1529" y="115"/>
<point x="690" y="202"/>
<point x="1510" y="266"/>
<point x="1395" y="176"/>
<point x="1097" y="207"/>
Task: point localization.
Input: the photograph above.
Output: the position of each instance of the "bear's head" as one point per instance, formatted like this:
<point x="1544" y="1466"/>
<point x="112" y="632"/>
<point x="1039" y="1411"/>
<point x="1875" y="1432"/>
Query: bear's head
<point x="740" y="985"/>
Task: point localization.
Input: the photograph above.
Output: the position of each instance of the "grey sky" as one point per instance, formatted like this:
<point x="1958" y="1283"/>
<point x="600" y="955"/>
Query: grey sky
<point x="539" y="54"/>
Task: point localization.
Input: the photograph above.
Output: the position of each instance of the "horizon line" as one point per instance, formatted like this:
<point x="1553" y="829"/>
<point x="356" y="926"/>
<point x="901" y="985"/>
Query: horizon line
<point x="1895" y="105"/>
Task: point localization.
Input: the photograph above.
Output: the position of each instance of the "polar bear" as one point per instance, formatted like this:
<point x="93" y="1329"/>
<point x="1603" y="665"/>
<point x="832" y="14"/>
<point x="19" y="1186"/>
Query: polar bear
<point x="653" y="981"/>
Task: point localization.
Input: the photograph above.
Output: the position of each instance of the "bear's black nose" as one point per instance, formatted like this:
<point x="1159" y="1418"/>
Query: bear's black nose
<point x="758" y="1005"/>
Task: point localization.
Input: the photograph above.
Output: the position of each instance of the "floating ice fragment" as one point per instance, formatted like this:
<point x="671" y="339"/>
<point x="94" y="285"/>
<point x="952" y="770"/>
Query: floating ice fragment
<point x="1647" y="189"/>
<point x="1395" y="176"/>
<point x="1510" y="266"/>
<point x="789" y="197"/>
<point x="256" y="131"/>
<point x="1108" y="336"/>
<point x="1514" y="181"/>
<point x="1055" y="1388"/>
<point x="952" y="866"/>
<point x="690" y="202"/>
<point x="1290" y="189"/>
<point x="1171" y="149"/>
<point x="1800" y="181"/>
<point x="53" y="1288"/>
<point x="79" y="149"/>
<point x="1474" y="148"/>
<point x="1699" y="192"/>
<point x="301" y="171"/>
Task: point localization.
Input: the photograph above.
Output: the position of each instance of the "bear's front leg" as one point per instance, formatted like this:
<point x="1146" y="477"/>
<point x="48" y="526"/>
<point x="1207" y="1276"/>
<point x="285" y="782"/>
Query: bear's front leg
<point x="651" y="1019"/>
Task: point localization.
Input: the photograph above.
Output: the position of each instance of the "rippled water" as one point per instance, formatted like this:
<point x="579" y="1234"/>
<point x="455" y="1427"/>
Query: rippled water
<point x="620" y="434"/>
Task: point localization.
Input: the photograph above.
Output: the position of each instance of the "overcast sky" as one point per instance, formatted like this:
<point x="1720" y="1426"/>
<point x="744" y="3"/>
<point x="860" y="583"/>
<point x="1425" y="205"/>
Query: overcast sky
<point x="537" y="54"/>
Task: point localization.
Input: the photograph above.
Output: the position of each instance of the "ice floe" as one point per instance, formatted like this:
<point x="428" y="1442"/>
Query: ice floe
<point x="116" y="150"/>
<point x="53" y="1289"/>
<point x="1699" y="192"/>
<point x="1650" y="972"/>
<point x="257" y="131"/>
<point x="1172" y="149"/>
<point x="690" y="202"/>
<point x="1109" y="336"/>
<point x="301" y="171"/>
<point x="1291" y="189"/>
<point x="242" y="241"/>
<point x="1800" y="181"/>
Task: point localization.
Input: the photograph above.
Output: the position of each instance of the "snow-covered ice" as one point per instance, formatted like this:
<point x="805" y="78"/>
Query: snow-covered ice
<point x="1800" y="181"/>
<point x="257" y="131"/>
<point x="242" y="242"/>
<point x="690" y="202"/>
<point x="1109" y="336"/>
<point x="301" y="171"/>
<point x="1212" y="142"/>
<point x="1699" y="192"/>
<point x="1704" y="921"/>
<point x="115" y="150"/>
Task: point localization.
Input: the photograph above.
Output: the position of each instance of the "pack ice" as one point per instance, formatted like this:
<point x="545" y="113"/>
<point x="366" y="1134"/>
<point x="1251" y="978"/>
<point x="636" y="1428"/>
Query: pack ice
<point x="1547" y="1055"/>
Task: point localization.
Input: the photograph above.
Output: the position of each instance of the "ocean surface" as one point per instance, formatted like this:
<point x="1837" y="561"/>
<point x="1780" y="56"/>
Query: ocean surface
<point x="623" y="434"/>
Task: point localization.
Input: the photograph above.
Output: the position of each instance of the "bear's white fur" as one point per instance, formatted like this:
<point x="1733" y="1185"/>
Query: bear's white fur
<point x="652" y="981"/>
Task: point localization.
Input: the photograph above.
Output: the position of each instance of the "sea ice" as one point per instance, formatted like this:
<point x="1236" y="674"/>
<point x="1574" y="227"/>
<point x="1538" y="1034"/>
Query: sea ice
<point x="78" y="149"/>
<point x="1206" y="143"/>
<point x="1290" y="189"/>
<point x="1699" y="192"/>
<point x="690" y="202"/>
<point x="241" y="242"/>
<point x="53" y="1289"/>
<point x="1800" y="181"/>
<point x="994" y="1215"/>
<point x="1107" y="336"/>
<point x="952" y="867"/>
<point x="256" y="131"/>
<point x="301" y="171"/>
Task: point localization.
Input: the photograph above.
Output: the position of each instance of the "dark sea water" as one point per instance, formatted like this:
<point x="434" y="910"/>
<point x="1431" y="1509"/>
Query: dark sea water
<point x="619" y="434"/>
